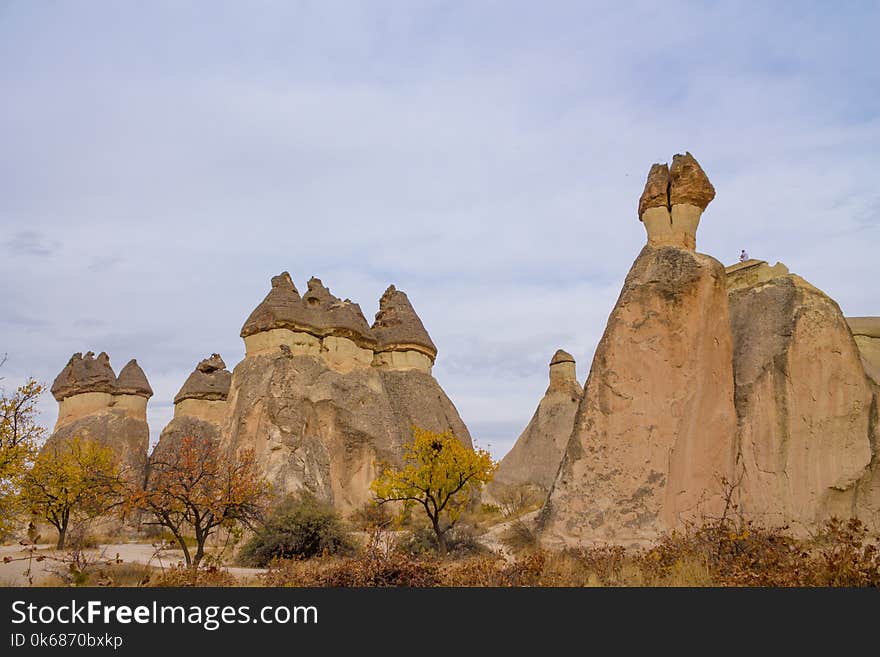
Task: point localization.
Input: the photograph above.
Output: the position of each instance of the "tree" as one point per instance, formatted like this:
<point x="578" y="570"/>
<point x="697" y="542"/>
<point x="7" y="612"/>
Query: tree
<point x="72" y="480"/>
<point x="19" y="436"/>
<point x="191" y="487"/>
<point x="440" y="474"/>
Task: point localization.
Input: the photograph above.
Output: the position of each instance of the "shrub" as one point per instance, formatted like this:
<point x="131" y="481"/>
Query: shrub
<point x="422" y="541"/>
<point x="299" y="528"/>
<point x="371" y="516"/>
<point x="369" y="570"/>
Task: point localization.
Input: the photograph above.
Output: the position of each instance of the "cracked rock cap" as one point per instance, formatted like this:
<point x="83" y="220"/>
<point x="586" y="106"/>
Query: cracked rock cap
<point x="683" y="183"/>
<point x="561" y="357"/>
<point x="689" y="183"/>
<point x="210" y="381"/>
<point x="84" y="374"/>
<point x="656" y="194"/>
<point x="397" y="325"/>
<point x="133" y="381"/>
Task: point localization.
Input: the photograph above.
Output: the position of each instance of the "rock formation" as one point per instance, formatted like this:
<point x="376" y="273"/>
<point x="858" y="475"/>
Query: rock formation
<point x="321" y="396"/>
<point x="534" y="459"/>
<point x="94" y="404"/>
<point x="866" y="331"/>
<point x="803" y="402"/>
<point x="200" y="406"/>
<point x="655" y="428"/>
<point x="673" y="201"/>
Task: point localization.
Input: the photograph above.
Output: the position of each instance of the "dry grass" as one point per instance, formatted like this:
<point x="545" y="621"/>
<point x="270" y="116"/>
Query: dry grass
<point x="716" y="554"/>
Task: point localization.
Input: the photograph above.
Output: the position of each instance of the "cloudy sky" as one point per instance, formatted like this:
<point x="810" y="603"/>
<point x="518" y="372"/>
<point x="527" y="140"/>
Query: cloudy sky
<point x="160" y="161"/>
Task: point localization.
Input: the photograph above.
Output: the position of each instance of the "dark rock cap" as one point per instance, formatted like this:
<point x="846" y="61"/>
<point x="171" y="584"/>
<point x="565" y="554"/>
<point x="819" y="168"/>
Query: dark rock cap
<point x="209" y="381"/>
<point x="397" y="324"/>
<point x="84" y="374"/>
<point x="561" y="357"/>
<point x="689" y="183"/>
<point x="334" y="316"/>
<point x="656" y="193"/>
<point x="133" y="381"/>
<point x="318" y="312"/>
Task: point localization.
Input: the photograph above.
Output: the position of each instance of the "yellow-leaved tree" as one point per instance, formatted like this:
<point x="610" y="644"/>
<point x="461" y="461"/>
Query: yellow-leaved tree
<point x="72" y="480"/>
<point x="440" y="474"/>
<point x="19" y="436"/>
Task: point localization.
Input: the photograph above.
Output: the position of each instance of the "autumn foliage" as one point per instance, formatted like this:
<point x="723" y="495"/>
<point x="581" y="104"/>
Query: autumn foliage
<point x="72" y="481"/>
<point x="193" y="489"/>
<point x="439" y="474"/>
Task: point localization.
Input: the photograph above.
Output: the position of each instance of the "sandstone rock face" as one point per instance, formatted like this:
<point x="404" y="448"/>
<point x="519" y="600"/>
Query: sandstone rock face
<point x="751" y="272"/>
<point x="314" y="404"/>
<point x="534" y="459"/>
<point x="866" y="331"/>
<point x="94" y="404"/>
<point x="200" y="406"/>
<point x="803" y="404"/>
<point x="656" y="426"/>
<point x="868" y="489"/>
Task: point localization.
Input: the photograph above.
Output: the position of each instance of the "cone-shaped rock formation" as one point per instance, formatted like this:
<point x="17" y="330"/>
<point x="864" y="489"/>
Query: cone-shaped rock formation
<point x="534" y="459"/>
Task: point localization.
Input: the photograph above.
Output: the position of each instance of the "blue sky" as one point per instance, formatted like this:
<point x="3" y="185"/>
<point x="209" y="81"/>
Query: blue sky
<point x="160" y="161"/>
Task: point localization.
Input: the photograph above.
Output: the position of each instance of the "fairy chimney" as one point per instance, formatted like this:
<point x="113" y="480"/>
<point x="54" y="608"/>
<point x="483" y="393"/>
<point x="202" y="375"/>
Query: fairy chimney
<point x="315" y="324"/>
<point x="673" y="202"/>
<point x="85" y="386"/>
<point x="203" y="394"/>
<point x="403" y="342"/>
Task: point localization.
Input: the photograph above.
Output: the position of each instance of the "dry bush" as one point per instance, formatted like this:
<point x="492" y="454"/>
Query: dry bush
<point x="372" y="570"/>
<point x="181" y="575"/>
<point x="519" y="536"/>
<point x="516" y="500"/>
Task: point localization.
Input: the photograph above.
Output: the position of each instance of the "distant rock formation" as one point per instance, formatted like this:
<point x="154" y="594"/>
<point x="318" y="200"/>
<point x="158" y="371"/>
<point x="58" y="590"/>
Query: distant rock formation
<point x="866" y="331"/>
<point x="802" y="399"/>
<point x="321" y="396"/>
<point x="200" y="405"/>
<point x="655" y="429"/>
<point x="94" y="404"/>
<point x="534" y="459"/>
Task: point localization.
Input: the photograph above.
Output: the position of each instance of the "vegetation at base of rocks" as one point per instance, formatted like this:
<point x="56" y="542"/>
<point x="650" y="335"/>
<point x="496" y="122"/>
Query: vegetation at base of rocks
<point x="439" y="474"/>
<point x="421" y="541"/>
<point x="20" y="436"/>
<point x="715" y="554"/>
<point x="72" y="481"/>
<point x="300" y="527"/>
<point x="194" y="490"/>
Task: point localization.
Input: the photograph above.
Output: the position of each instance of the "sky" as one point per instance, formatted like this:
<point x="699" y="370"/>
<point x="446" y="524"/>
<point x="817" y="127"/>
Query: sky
<point x="160" y="161"/>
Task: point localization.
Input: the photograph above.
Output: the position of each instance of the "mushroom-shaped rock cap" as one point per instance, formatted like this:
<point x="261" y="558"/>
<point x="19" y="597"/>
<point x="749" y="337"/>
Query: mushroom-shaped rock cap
<point x="656" y="193"/>
<point x="210" y="381"/>
<point x="397" y="325"/>
<point x="133" y="381"/>
<point x="689" y="183"/>
<point x="683" y="183"/>
<point x="282" y="308"/>
<point x="561" y="357"/>
<point x="334" y="316"/>
<point x="84" y="374"/>
<point x="318" y="312"/>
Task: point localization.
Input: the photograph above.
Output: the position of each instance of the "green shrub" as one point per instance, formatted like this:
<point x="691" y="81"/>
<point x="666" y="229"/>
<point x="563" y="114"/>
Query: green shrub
<point x="300" y="527"/>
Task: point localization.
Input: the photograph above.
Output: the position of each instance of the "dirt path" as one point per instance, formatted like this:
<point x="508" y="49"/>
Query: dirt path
<point x="14" y="572"/>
